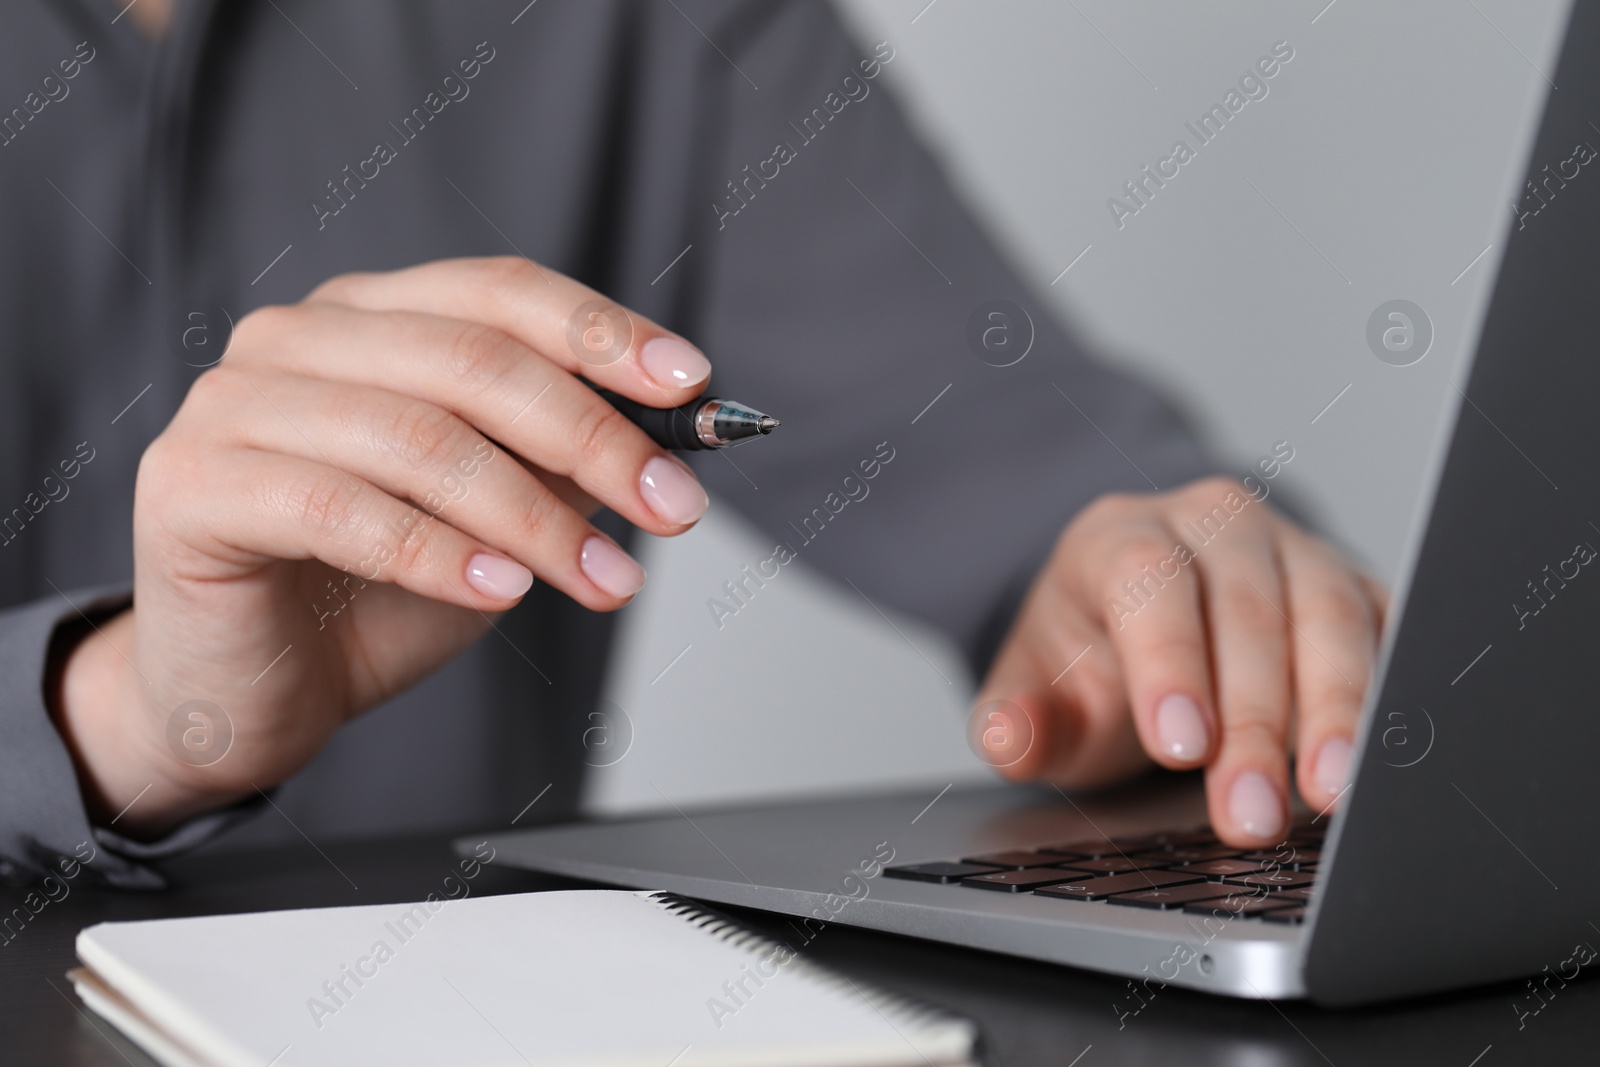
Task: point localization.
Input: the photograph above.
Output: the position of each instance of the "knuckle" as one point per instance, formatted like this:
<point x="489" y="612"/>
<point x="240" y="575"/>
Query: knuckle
<point x="175" y="457"/>
<point x="1215" y="487"/>
<point x="1257" y="730"/>
<point x="478" y="355"/>
<point x="1109" y="506"/>
<point x="261" y="326"/>
<point x="598" y="430"/>
<point x="1240" y="604"/>
<point x="1136" y="551"/>
<point x="425" y="436"/>
<point x="414" y="551"/>
<point x="510" y="274"/>
<point x="215" y="388"/>
<point x="1215" y="505"/>
<point x="340" y="288"/>
<point x="542" y="516"/>
<point x="164" y="468"/>
<point x="327" y="505"/>
<point x="1341" y="609"/>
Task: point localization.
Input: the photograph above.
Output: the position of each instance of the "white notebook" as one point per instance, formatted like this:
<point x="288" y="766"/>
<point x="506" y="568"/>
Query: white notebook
<point x="590" y="977"/>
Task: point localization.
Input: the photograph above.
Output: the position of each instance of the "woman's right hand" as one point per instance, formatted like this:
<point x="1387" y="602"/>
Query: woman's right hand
<point x="343" y="504"/>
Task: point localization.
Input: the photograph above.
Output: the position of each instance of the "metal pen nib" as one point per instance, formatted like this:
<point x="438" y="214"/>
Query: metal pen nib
<point x="720" y="423"/>
<point x="707" y="422"/>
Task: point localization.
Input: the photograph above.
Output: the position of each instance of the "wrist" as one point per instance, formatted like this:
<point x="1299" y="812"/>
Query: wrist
<point x="105" y="711"/>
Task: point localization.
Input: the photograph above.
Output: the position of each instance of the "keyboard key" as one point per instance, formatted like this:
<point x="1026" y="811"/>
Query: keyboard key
<point x="1015" y="859"/>
<point x="1118" y="865"/>
<point x="1020" y="881"/>
<point x="1224" y="868"/>
<point x="1287" y="857"/>
<point x="1243" y="905"/>
<point x="1084" y="850"/>
<point x="1101" y="888"/>
<point x="1291" y="916"/>
<point x="1275" y="880"/>
<point x="1172" y="896"/>
<point x="1165" y="841"/>
<point x="943" y="873"/>
<point x="1195" y="853"/>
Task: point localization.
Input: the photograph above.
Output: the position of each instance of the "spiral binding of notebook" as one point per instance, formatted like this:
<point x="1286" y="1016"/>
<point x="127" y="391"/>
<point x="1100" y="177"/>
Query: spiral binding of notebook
<point x="895" y="1007"/>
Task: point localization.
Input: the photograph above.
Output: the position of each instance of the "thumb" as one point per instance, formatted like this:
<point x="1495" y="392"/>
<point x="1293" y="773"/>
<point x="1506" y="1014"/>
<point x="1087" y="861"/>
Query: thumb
<point x="1019" y="732"/>
<point x="1017" y="724"/>
<point x="1033" y="719"/>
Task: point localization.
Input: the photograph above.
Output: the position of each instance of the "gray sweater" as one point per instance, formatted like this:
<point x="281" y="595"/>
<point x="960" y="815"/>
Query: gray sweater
<point x="736" y="170"/>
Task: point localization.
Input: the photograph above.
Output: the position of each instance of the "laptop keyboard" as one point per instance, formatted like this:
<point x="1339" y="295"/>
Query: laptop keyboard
<point x="1190" y="871"/>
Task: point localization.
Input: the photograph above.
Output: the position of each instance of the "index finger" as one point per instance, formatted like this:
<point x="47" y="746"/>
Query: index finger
<point x="563" y="320"/>
<point x="1154" y="617"/>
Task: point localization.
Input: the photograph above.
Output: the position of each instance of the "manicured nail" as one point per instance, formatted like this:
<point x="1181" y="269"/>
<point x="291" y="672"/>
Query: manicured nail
<point x="674" y="364"/>
<point x="1181" y="728"/>
<point x="1332" y="769"/>
<point x="1255" y="807"/>
<point x="672" y="492"/>
<point x="611" y="568"/>
<point x="502" y="579"/>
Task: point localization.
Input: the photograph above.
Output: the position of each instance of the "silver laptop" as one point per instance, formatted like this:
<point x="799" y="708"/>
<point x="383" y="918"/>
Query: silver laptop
<point x="1464" y="851"/>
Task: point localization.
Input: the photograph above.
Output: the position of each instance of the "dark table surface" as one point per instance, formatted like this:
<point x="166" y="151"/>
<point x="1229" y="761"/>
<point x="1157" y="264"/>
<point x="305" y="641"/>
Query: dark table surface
<point x="1029" y="1013"/>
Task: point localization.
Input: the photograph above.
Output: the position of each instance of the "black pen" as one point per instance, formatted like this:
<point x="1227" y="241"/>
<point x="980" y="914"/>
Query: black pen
<point x="706" y="422"/>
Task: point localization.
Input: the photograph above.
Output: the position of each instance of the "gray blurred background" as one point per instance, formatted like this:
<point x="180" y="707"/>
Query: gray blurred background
<point x="1376" y="168"/>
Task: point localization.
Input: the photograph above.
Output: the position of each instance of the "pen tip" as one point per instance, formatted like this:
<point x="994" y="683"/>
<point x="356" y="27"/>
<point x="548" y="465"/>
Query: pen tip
<point x="767" y="424"/>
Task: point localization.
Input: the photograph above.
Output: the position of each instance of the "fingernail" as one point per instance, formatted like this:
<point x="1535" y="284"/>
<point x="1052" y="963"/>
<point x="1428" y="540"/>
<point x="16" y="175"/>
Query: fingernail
<point x="674" y="364"/>
<point x="672" y="492"/>
<point x="1332" y="769"/>
<point x="1254" y="806"/>
<point x="1181" y="729"/>
<point x="611" y="568"/>
<point x="503" y="579"/>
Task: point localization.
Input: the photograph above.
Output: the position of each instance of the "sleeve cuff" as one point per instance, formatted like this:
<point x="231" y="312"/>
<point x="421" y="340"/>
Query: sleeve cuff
<point x="44" y="828"/>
